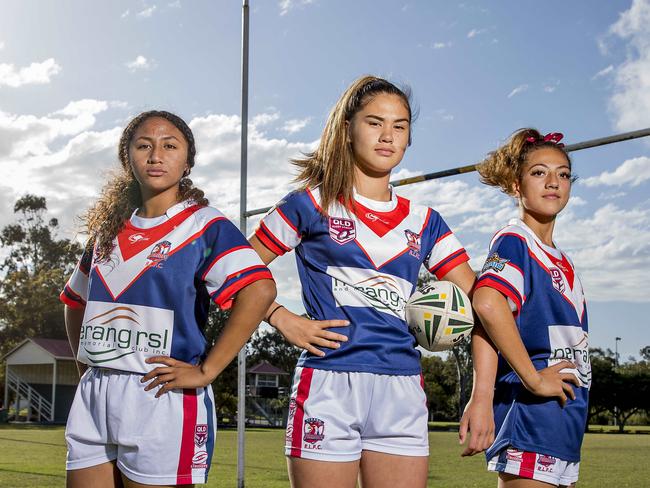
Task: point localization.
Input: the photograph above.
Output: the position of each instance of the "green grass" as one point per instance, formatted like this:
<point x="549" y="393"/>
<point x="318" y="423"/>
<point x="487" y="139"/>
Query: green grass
<point x="35" y="456"/>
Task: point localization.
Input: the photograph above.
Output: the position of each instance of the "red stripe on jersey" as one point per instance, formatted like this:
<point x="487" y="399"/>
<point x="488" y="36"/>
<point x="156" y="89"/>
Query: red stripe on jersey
<point x="500" y="287"/>
<point x="225" y="298"/>
<point x="71" y="299"/>
<point x="448" y="233"/>
<point x="225" y="253"/>
<point x="298" y="419"/>
<point x="270" y="240"/>
<point x="382" y="222"/>
<point x="313" y="200"/>
<point x="527" y="467"/>
<point x="133" y="240"/>
<point x="451" y="264"/>
<point x="286" y="219"/>
<point x="190" y="407"/>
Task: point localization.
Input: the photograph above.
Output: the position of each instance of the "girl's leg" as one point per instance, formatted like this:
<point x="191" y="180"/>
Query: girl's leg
<point x="105" y="475"/>
<point x="382" y="470"/>
<point x="511" y="481"/>
<point x="307" y="473"/>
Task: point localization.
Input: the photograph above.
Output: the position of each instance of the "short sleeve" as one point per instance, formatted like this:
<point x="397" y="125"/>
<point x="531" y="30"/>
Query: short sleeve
<point x="283" y="227"/>
<point x="230" y="263"/>
<point x="446" y="252"/>
<point x="75" y="291"/>
<point x="503" y="269"/>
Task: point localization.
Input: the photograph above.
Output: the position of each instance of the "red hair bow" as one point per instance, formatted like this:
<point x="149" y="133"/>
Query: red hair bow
<point x="554" y="137"/>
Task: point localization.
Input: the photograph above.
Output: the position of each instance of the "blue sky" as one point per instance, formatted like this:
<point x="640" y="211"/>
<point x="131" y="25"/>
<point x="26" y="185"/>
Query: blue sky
<point x="73" y="72"/>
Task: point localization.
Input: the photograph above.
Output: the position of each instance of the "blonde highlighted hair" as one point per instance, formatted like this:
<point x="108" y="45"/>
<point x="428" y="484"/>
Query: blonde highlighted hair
<point x="121" y="195"/>
<point x="503" y="167"/>
<point x="332" y="164"/>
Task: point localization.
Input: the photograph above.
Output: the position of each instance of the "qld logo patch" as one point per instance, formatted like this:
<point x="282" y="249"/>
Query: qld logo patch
<point x="314" y="432"/>
<point x="200" y="434"/>
<point x="413" y="243"/>
<point x="159" y="253"/>
<point x="558" y="281"/>
<point x="495" y="263"/>
<point x="342" y="230"/>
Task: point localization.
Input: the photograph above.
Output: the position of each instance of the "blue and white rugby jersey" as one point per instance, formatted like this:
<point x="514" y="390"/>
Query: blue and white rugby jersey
<point x="549" y="308"/>
<point x="152" y="297"/>
<point x="362" y="267"/>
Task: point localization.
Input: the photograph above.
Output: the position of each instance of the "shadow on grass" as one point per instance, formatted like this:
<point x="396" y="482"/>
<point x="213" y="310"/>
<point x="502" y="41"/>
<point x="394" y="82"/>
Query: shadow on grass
<point x="16" y="471"/>
<point x="25" y="441"/>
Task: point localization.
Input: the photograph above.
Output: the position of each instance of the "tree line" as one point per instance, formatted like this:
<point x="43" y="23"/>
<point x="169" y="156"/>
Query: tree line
<point x="36" y="263"/>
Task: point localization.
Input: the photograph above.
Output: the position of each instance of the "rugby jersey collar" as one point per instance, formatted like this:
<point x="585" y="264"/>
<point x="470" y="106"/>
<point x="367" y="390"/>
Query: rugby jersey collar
<point x="381" y="217"/>
<point x="147" y="223"/>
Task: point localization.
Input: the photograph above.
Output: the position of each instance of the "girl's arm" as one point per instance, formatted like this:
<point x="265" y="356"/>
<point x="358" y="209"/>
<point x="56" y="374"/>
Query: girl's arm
<point x="478" y="417"/>
<point x="298" y="330"/>
<point x="495" y="314"/>
<point x="250" y="305"/>
<point x="73" y="320"/>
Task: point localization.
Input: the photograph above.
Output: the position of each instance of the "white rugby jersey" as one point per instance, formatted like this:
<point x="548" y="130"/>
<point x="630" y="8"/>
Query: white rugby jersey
<point x="152" y="297"/>
<point x="548" y="303"/>
<point x="362" y="267"/>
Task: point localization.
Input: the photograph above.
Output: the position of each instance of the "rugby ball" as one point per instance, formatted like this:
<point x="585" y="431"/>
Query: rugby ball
<point x="439" y="316"/>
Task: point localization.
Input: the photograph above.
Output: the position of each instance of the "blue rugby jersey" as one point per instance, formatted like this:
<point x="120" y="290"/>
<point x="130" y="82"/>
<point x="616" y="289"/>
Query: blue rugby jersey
<point x="548" y="304"/>
<point x="362" y="267"/>
<point x="152" y="297"/>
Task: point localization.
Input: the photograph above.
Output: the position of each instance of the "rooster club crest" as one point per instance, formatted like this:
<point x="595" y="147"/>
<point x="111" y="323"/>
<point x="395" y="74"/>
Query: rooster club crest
<point x="342" y="230"/>
<point x="545" y="460"/>
<point x="159" y="253"/>
<point x="200" y="434"/>
<point x="558" y="282"/>
<point x="314" y="430"/>
<point x="413" y="243"/>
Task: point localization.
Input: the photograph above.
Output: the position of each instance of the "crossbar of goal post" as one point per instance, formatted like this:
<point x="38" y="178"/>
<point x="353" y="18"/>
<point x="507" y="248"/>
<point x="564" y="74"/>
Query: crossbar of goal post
<point x="601" y="141"/>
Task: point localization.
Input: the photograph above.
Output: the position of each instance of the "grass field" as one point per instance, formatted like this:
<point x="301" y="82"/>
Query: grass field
<point x="35" y="457"/>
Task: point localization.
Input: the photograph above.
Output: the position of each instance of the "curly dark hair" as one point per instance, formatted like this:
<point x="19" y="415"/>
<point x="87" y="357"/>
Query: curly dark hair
<point x="121" y="195"/>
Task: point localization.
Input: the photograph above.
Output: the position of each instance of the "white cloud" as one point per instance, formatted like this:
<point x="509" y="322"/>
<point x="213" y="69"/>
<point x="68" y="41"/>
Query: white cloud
<point x="125" y="14"/>
<point x="441" y="45"/>
<point x="611" y="196"/>
<point x="176" y="4"/>
<point x="295" y="125"/>
<point x="287" y="5"/>
<point x="633" y="172"/>
<point x="517" y="90"/>
<point x="630" y="102"/>
<point x="551" y="87"/>
<point x="444" y="115"/>
<point x="475" y="32"/>
<point x="140" y="63"/>
<point x="34" y="74"/>
<point x="265" y="118"/>
<point x="2" y="45"/>
<point x="603" y="72"/>
<point x="147" y="12"/>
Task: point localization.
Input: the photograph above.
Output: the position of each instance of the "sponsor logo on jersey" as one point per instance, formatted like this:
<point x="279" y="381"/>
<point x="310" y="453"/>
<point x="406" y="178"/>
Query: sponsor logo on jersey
<point x="571" y="343"/>
<point x="200" y="434"/>
<point x="558" y="281"/>
<point x="159" y="254"/>
<point x="495" y="263"/>
<point x="514" y="455"/>
<point x="199" y="460"/>
<point x="413" y="243"/>
<point x="342" y="230"/>
<point x="374" y="218"/>
<point x="314" y="432"/>
<point x="121" y="336"/>
<point x="133" y="238"/>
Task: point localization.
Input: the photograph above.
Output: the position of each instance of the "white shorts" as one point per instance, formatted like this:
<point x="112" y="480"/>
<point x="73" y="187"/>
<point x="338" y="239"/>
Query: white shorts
<point x="535" y="466"/>
<point x="333" y="416"/>
<point x="157" y="441"/>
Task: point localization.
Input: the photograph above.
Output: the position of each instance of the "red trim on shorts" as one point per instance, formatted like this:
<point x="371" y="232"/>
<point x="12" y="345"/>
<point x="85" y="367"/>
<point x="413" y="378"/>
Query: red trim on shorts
<point x="527" y="467"/>
<point x="304" y="385"/>
<point x="190" y="406"/>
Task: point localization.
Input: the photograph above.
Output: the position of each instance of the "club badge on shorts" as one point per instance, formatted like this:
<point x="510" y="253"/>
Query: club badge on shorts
<point x="342" y="230"/>
<point x="314" y="433"/>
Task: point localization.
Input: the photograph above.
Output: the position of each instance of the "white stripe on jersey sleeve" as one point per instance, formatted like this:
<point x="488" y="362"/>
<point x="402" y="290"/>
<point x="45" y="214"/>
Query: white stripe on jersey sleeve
<point x="282" y="229"/>
<point x="78" y="283"/>
<point x="228" y="265"/>
<point x="442" y="249"/>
